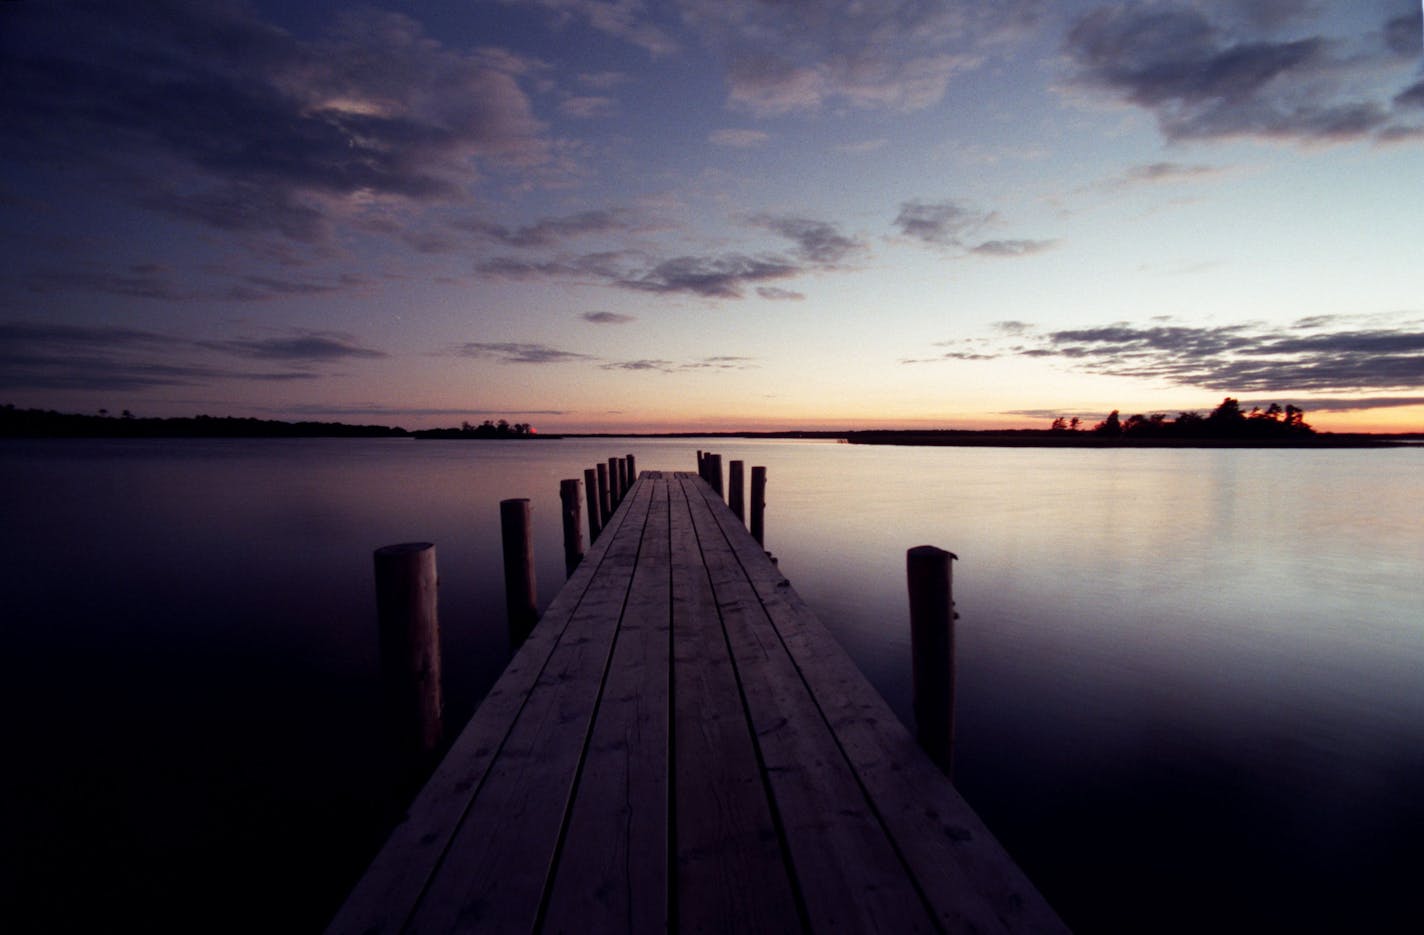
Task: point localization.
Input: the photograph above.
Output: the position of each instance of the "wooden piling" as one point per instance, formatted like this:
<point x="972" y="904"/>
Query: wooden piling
<point x="615" y="492"/>
<point x="595" y="521"/>
<point x="736" y="490"/>
<point x="406" y="583"/>
<point x="714" y="473"/>
<point x="632" y="469"/>
<point x="521" y="599"/>
<point x="758" y="505"/>
<point x="623" y="482"/>
<point x="605" y="495"/>
<point x="929" y="576"/>
<point x="573" y="524"/>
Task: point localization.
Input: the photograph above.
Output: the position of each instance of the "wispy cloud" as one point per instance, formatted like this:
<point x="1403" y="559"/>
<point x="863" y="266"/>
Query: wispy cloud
<point x="1319" y="354"/>
<point x="549" y="231"/>
<point x="517" y="353"/>
<point x="668" y="366"/>
<point x="1012" y="248"/>
<point x="815" y="245"/>
<point x="956" y="225"/>
<point x="98" y="357"/>
<point x="607" y="318"/>
<point x="738" y="138"/>
<point x="307" y="346"/>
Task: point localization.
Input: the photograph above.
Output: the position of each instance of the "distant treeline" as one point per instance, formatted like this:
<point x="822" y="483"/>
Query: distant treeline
<point x="1226" y="422"/>
<point x="44" y="423"/>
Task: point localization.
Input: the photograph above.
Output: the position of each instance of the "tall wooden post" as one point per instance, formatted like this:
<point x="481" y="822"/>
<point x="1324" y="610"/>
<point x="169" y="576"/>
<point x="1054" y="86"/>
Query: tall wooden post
<point x="406" y="583"/>
<point x="573" y="525"/>
<point x="521" y="598"/>
<point x="701" y="470"/>
<point x="929" y="576"/>
<point x="735" y="490"/>
<point x="632" y="469"/>
<point x="595" y="521"/>
<point x="622" y="478"/>
<point x="714" y="472"/>
<point x="758" y="505"/>
<point x="605" y="496"/>
<point x="615" y="493"/>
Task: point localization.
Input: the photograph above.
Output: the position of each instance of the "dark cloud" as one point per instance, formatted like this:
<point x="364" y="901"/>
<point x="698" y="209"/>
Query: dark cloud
<point x="1411" y="97"/>
<point x="517" y="353"/>
<point x="817" y="242"/>
<point x="877" y="54"/>
<point x="209" y="113"/>
<point x="816" y="245"/>
<point x="717" y="277"/>
<point x="942" y="223"/>
<point x="607" y="318"/>
<point x="1203" y="79"/>
<point x="627" y="20"/>
<point x="547" y="232"/>
<point x="777" y="294"/>
<point x="1012" y="248"/>
<point x="100" y="357"/>
<point x="1404" y="35"/>
<point x="1322" y="354"/>
<point x="307" y="346"/>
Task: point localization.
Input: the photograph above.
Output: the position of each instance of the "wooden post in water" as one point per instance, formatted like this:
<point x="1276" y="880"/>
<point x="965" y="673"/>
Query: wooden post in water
<point x="701" y="470"/>
<point x="735" y="490"/>
<point x="595" y="521"/>
<point x="615" y="493"/>
<point x="520" y="596"/>
<point x="406" y="583"/>
<point x="714" y="473"/>
<point x="758" y="505"/>
<point x="573" y="526"/>
<point x="632" y="470"/>
<point x="622" y="478"/>
<point x="605" y="496"/>
<point x="928" y="572"/>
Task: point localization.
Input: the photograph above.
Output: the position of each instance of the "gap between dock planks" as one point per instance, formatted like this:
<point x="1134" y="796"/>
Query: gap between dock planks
<point x="680" y="745"/>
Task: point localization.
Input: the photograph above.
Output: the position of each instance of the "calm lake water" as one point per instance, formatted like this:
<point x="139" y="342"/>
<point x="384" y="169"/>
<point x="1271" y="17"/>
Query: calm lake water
<point x="1191" y="685"/>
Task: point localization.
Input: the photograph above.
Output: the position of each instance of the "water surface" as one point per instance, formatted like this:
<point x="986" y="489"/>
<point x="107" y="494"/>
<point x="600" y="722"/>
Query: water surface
<point x="1191" y="681"/>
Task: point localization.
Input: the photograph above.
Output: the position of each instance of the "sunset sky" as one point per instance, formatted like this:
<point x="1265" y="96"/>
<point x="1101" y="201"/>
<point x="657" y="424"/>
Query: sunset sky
<point x="713" y="214"/>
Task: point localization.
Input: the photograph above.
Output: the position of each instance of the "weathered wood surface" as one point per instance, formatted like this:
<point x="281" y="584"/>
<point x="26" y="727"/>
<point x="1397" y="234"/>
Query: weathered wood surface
<point x="680" y="745"/>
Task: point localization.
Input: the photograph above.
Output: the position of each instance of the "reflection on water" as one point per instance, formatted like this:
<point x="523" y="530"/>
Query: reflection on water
<point x="1190" y="679"/>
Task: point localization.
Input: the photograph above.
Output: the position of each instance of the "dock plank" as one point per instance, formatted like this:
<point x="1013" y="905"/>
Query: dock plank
<point x="849" y="873"/>
<point x="731" y="873"/>
<point x="612" y="869"/>
<point x="506" y="841"/>
<point x="966" y="874"/>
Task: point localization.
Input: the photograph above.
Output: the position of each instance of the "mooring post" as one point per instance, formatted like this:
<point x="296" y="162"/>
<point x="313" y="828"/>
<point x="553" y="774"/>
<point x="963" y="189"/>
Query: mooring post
<point x="632" y="470"/>
<point x="759" y="505"/>
<point x="573" y="526"/>
<point x="615" y="492"/>
<point x="701" y="471"/>
<point x="735" y="490"/>
<point x="605" y="496"/>
<point x="519" y="590"/>
<point x="714" y="473"/>
<point x="590" y="486"/>
<point x="929" y="575"/>
<point x="622" y="478"/>
<point x="406" y="583"/>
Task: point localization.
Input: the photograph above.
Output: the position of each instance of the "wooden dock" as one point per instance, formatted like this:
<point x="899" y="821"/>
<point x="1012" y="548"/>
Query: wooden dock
<point x="681" y="746"/>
